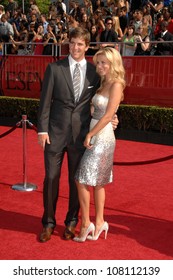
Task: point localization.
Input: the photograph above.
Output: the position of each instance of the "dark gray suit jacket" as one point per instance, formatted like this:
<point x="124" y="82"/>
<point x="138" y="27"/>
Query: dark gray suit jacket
<point x="111" y="36"/>
<point x="165" y="48"/>
<point x="58" y="114"/>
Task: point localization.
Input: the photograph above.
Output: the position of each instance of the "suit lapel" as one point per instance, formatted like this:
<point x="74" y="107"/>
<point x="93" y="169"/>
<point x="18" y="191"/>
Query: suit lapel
<point x="67" y="75"/>
<point x="88" y="78"/>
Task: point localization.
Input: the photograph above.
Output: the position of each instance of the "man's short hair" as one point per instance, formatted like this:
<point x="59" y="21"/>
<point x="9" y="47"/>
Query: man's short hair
<point x="79" y="32"/>
<point x="108" y="18"/>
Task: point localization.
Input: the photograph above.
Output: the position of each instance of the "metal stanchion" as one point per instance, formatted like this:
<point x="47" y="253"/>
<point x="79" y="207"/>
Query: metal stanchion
<point x="25" y="187"/>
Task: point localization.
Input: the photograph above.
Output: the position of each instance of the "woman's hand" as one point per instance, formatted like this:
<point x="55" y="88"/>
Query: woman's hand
<point x="87" y="142"/>
<point x="115" y="122"/>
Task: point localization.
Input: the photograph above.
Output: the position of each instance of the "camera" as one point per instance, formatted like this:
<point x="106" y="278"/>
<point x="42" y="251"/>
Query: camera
<point x="137" y="37"/>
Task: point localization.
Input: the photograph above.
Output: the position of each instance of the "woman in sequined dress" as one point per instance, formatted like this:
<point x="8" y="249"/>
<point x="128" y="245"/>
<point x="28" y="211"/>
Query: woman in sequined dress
<point x="95" y="168"/>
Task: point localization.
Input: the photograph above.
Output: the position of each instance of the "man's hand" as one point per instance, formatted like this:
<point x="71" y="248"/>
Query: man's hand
<point x="43" y="139"/>
<point x="115" y="122"/>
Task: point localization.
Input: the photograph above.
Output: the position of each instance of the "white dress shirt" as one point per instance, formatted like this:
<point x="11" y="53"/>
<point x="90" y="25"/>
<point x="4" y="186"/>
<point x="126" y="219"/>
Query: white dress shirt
<point x="82" y="68"/>
<point x="163" y="33"/>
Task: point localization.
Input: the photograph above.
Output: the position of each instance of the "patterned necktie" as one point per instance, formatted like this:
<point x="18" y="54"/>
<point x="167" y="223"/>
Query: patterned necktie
<point x="76" y="82"/>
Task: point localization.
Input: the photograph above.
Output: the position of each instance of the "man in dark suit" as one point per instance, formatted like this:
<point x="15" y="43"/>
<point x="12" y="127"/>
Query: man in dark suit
<point x="62" y="126"/>
<point x="108" y="35"/>
<point x="164" y="48"/>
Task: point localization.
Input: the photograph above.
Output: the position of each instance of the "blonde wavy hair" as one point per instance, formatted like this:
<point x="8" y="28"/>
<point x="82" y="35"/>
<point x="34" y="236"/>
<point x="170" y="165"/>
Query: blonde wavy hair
<point x="117" y="71"/>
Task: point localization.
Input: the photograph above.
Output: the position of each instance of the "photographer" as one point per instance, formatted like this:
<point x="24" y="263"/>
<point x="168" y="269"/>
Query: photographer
<point x="49" y="40"/>
<point x="142" y="41"/>
<point x="59" y="8"/>
<point x="11" y="7"/>
<point x="6" y="29"/>
<point x="156" y="6"/>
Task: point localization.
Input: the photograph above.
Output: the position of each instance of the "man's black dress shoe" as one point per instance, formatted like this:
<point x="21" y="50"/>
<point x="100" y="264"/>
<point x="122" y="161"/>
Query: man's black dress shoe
<point x="46" y="234"/>
<point x="69" y="232"/>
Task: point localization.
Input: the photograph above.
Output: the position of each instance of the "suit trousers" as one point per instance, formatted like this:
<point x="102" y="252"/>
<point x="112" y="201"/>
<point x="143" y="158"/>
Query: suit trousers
<point x="53" y="164"/>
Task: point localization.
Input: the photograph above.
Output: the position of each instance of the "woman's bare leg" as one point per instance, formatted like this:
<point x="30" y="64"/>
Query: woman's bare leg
<point x="99" y="199"/>
<point x="84" y="200"/>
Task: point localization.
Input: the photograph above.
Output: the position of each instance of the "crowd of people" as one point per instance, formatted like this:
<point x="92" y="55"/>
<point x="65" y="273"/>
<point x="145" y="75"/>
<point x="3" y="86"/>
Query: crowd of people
<point x="131" y="26"/>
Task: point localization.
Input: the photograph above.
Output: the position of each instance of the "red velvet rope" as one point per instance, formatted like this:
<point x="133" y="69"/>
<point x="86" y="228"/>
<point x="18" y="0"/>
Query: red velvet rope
<point x="10" y="130"/>
<point x="32" y="126"/>
<point x="114" y="163"/>
<point x="151" y="161"/>
<point x="14" y="127"/>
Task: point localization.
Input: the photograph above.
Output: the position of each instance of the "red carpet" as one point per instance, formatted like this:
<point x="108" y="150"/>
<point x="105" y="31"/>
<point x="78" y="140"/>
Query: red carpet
<point x="139" y="205"/>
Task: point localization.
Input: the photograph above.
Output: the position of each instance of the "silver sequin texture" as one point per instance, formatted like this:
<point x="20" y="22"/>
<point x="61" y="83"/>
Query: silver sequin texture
<point x="95" y="168"/>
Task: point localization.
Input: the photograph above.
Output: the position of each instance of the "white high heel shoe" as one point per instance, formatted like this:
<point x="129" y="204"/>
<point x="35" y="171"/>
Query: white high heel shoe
<point x="91" y="229"/>
<point x="104" y="228"/>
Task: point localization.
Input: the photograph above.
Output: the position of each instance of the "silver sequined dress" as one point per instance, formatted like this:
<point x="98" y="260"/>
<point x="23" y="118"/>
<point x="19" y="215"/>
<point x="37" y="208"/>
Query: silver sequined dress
<point x="95" y="168"/>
